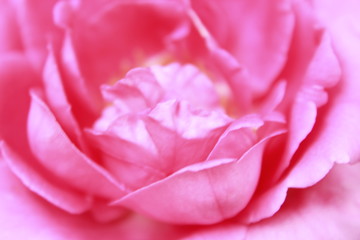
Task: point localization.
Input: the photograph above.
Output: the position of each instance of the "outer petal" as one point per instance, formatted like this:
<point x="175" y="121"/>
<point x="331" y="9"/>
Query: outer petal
<point x="328" y="210"/>
<point x="307" y="92"/>
<point x="42" y="183"/>
<point x="9" y="32"/>
<point x="336" y="144"/>
<point x="203" y="193"/>
<point x="311" y="95"/>
<point x="120" y="33"/>
<point x="256" y="33"/>
<point x="16" y="78"/>
<point x="26" y="216"/>
<point x="56" y="153"/>
<point x="36" y="27"/>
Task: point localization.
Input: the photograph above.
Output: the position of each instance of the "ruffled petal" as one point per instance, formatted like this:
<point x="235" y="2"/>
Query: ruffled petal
<point x="187" y="83"/>
<point x="143" y="88"/>
<point x="140" y="149"/>
<point x="138" y="91"/>
<point x="304" y="121"/>
<point x="311" y="95"/>
<point x="336" y="140"/>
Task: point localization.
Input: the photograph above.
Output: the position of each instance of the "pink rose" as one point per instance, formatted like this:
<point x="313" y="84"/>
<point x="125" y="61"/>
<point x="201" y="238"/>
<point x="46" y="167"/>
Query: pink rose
<point x="179" y="119"/>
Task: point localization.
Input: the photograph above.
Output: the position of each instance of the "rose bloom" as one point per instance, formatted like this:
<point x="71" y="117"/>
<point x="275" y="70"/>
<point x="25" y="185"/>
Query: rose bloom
<point x="154" y="119"/>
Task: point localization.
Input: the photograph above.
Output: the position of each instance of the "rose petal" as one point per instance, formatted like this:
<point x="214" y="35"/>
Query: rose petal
<point x="143" y="88"/>
<point x="120" y="33"/>
<point x="303" y="116"/>
<point x="9" y="33"/>
<point x="40" y="182"/>
<point x="328" y="210"/>
<point x="136" y="92"/>
<point x="274" y="97"/>
<point x="16" y="78"/>
<point x="318" y="78"/>
<point x="189" y="134"/>
<point x="57" y="99"/>
<point x="140" y="149"/>
<point x="187" y="83"/>
<point x="308" y="38"/>
<point x="307" y="93"/>
<point x="133" y="161"/>
<point x="222" y="231"/>
<point x="336" y="144"/>
<point x="85" y="101"/>
<point x="35" y="28"/>
<point x="311" y="96"/>
<point x="187" y="120"/>
<point x="52" y="147"/>
<point x="24" y="215"/>
<point x="236" y="139"/>
<point x="257" y="37"/>
<point x="173" y="200"/>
